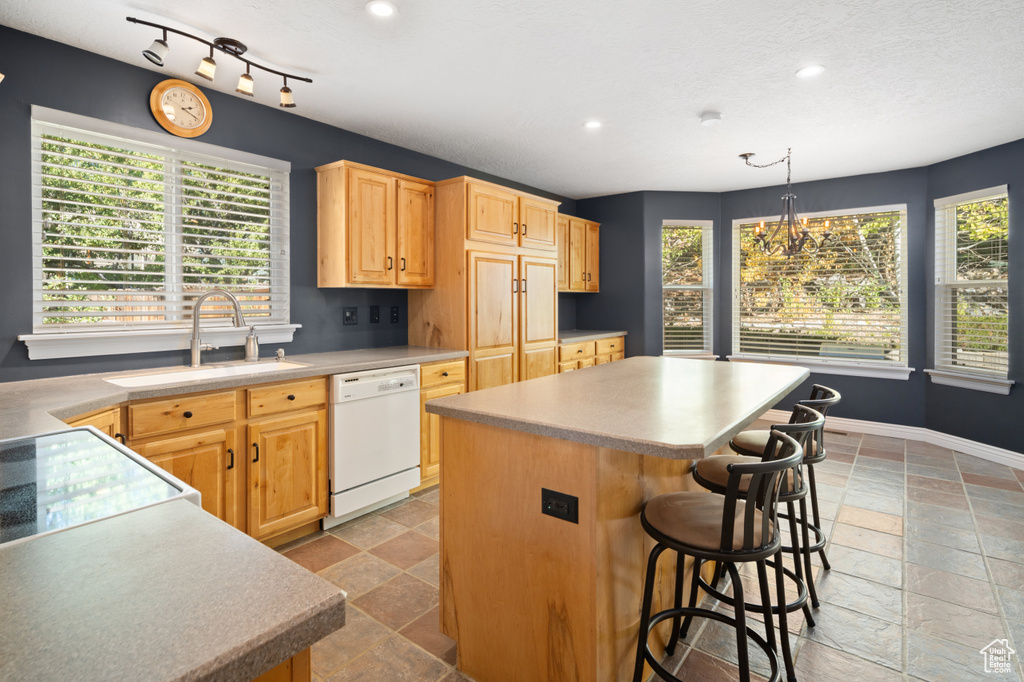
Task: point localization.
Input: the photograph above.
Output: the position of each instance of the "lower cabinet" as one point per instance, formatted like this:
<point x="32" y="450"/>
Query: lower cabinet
<point x="210" y="463"/>
<point x="287" y="472"/>
<point x="106" y="421"/>
<point x="437" y="380"/>
<point x="582" y="354"/>
<point x="298" y="668"/>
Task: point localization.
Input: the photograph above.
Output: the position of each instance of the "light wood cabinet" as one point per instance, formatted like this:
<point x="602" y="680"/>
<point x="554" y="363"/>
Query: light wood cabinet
<point x="287" y="472"/>
<point x="437" y="380"/>
<point x="579" y="255"/>
<point x="582" y="354"/>
<point x="107" y="420"/>
<point x="375" y="228"/>
<point x="298" y="668"/>
<point x="183" y="412"/>
<point x="209" y="462"/>
<point x="485" y="260"/>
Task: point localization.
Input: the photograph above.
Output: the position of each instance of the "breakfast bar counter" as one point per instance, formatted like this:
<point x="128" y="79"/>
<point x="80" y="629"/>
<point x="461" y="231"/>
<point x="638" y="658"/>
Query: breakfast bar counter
<point x="532" y="596"/>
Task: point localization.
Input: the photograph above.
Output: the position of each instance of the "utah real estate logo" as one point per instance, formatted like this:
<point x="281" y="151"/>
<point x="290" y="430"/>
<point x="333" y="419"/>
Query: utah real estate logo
<point x="998" y="655"/>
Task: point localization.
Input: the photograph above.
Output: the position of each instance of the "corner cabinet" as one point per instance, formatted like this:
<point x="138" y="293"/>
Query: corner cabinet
<point x="579" y="250"/>
<point x="375" y="228"/>
<point x="495" y="294"/>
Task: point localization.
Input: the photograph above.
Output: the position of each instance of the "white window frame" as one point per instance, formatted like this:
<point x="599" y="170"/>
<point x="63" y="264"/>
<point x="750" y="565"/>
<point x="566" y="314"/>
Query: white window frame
<point x="945" y="266"/>
<point x="45" y="344"/>
<point x="845" y="366"/>
<point x="707" y="228"/>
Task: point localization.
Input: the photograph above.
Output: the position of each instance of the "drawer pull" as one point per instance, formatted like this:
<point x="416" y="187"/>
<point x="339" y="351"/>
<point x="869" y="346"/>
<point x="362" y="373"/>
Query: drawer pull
<point x="231" y="452"/>
<point x="292" y="396"/>
<point x="120" y="437"/>
<point x="257" y="446"/>
<point x="444" y="374"/>
<point x="580" y="350"/>
<point x="515" y="228"/>
<point x="613" y="345"/>
<point x="187" y="414"/>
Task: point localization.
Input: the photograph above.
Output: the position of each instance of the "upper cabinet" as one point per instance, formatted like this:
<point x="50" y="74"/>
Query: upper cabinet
<point x="578" y="254"/>
<point x="375" y="228"/>
<point x="502" y="216"/>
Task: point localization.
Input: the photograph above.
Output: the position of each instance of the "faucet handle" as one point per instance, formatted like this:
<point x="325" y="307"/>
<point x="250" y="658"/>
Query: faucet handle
<point x="280" y="354"/>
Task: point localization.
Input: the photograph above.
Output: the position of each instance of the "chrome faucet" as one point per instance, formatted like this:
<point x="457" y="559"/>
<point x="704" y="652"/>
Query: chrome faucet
<point x="197" y="344"/>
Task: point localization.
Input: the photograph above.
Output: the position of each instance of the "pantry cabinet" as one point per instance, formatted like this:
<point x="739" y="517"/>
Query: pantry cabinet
<point x="375" y="228"/>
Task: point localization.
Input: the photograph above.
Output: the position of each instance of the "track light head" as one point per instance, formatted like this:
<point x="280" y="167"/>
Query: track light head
<point x="157" y="51"/>
<point x="207" y="67"/>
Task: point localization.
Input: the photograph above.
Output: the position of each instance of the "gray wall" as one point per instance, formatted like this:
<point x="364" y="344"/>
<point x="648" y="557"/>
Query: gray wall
<point x="630" y="262"/>
<point x="54" y="75"/>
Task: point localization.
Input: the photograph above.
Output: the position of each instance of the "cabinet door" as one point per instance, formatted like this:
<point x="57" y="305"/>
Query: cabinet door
<point x="108" y="422"/>
<point x="593" y="257"/>
<point x="371" y="227"/>
<point x="493" y="215"/>
<point x="210" y="463"/>
<point x="493" y="319"/>
<point x="562" y="246"/>
<point x="577" y="255"/>
<point x="287" y="472"/>
<point x="538" y="316"/>
<point x="430" y="430"/>
<point x="414" y="241"/>
<point x="536" y="224"/>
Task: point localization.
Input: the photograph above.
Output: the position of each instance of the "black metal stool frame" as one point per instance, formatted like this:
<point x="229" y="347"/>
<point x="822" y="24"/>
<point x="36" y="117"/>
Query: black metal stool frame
<point x="762" y="493"/>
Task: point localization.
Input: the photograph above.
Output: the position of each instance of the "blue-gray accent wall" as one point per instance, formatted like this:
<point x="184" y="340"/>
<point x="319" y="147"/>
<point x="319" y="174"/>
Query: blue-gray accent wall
<point x="51" y="74"/>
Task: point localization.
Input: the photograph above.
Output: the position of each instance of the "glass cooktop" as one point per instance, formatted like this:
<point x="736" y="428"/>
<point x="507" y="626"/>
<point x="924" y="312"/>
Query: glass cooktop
<point x="58" y="480"/>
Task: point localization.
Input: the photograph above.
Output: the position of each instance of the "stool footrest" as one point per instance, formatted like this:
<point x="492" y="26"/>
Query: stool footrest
<point x="795" y="605"/>
<point x="819" y="536"/>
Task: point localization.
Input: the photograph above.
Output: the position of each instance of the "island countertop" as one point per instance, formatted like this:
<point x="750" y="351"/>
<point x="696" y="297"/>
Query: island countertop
<point x="666" y="407"/>
<point x="163" y="593"/>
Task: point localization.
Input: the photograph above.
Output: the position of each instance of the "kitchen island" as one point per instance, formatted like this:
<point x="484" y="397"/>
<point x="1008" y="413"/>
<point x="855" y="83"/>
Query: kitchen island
<point x="531" y="596"/>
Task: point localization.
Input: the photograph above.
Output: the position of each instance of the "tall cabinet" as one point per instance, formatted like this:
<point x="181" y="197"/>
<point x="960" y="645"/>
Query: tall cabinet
<point x="495" y="291"/>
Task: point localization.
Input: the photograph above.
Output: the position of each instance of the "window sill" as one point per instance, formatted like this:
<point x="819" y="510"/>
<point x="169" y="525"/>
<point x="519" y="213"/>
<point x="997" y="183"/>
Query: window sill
<point x="82" y="344"/>
<point x="853" y="369"/>
<point x="975" y="382"/>
<point x="689" y="355"/>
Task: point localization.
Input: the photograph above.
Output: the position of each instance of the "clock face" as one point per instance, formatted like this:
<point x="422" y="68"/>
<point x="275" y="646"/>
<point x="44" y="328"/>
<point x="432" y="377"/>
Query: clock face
<point x="183" y="108"/>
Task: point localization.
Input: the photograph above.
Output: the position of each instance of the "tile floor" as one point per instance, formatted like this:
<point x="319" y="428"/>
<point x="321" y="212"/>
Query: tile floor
<point x="927" y="554"/>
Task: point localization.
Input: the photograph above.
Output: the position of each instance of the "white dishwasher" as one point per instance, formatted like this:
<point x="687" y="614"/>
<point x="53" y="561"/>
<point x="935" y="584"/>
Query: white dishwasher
<point x="375" y="439"/>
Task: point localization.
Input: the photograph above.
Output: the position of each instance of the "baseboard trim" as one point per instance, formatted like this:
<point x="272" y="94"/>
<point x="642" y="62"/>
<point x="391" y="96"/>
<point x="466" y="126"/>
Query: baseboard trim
<point x="945" y="440"/>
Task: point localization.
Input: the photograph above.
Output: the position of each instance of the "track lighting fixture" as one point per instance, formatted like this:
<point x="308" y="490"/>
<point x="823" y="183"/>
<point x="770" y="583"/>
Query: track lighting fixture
<point x="157" y="52"/>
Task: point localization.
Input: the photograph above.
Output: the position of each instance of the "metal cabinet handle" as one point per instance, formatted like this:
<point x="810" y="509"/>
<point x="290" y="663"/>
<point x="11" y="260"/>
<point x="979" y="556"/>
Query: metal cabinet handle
<point x="120" y="437"/>
<point x="187" y="414"/>
<point x="588" y="276"/>
<point x="292" y="397"/>
<point x="524" y="229"/>
<point x="444" y="374"/>
<point x="257" y="446"/>
<point x="515" y="285"/>
<point x="403" y="264"/>
<point x="580" y="351"/>
<point x="524" y="281"/>
<point x="391" y="263"/>
<point x="515" y="228"/>
<point x="232" y="463"/>
<point x="612" y="345"/>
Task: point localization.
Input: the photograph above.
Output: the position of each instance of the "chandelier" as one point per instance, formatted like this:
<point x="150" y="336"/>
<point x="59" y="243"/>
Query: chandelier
<point x="797" y="236"/>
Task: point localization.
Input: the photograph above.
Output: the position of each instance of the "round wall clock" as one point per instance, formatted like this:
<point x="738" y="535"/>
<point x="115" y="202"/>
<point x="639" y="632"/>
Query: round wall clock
<point x="181" y="108"/>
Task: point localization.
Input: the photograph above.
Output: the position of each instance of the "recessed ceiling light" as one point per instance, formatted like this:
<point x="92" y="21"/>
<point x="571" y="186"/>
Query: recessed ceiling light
<point x="710" y="118"/>
<point x="810" y="71"/>
<point x="381" y="8"/>
<point x="592" y="125"/>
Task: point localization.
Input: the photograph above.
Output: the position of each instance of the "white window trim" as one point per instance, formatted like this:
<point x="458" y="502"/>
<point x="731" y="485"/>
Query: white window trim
<point x="960" y="377"/>
<point x="82" y="343"/>
<point x="876" y="370"/>
<point x="707" y="286"/>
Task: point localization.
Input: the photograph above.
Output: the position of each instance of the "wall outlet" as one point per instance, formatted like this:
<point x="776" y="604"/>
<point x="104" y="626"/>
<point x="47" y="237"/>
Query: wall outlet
<point x="394" y="314"/>
<point x="374" y="314"/>
<point x="350" y="316"/>
<point x="560" y="505"/>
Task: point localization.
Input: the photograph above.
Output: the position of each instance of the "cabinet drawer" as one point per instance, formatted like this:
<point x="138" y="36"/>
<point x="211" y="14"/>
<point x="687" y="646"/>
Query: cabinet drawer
<point x="605" y="346"/>
<point x="285" y="397"/>
<point x="575" y="351"/>
<point x="567" y="367"/>
<point x="438" y="373"/>
<point x="183" y="412"/>
<point x="621" y="355"/>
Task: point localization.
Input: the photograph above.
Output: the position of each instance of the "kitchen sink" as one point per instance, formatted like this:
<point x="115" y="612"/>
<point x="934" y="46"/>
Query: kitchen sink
<point x="201" y="373"/>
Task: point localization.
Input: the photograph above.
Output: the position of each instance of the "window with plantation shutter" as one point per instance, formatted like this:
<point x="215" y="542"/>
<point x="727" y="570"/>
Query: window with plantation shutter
<point x="971" y="287"/>
<point x="841" y="310"/>
<point x="129" y="233"/>
<point x="686" y="259"/>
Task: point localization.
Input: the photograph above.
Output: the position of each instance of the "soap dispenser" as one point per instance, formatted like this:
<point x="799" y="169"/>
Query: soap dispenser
<point x="252" y="346"/>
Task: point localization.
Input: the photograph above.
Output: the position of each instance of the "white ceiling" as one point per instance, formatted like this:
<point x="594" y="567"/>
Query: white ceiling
<point x="505" y="86"/>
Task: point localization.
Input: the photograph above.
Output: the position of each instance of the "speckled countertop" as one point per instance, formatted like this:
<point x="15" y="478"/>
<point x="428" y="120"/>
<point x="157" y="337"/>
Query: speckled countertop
<point x="163" y="593"/>
<point x="38" y="405"/>
<point x="666" y="407"/>
<point x="574" y="335"/>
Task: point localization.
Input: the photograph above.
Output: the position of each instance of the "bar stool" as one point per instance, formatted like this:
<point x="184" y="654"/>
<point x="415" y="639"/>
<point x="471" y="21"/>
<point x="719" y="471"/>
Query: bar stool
<point x="753" y="442"/>
<point x="713" y="473"/>
<point x="724" y="529"/>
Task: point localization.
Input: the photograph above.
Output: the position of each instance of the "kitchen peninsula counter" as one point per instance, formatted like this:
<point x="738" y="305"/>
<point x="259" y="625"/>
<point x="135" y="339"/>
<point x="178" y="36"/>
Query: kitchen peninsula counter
<point x="559" y="598"/>
<point x="39" y="405"/>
